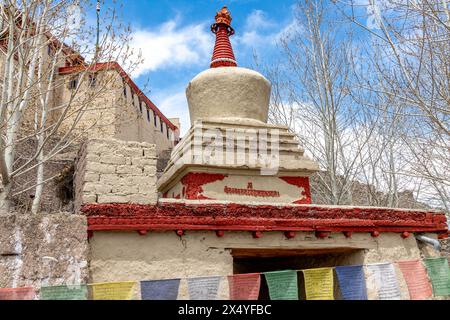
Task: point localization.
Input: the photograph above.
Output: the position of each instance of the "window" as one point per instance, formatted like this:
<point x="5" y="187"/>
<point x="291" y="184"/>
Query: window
<point x="125" y="90"/>
<point x="73" y="83"/>
<point x="168" y="133"/>
<point x="148" y="115"/>
<point x="140" y="106"/>
<point x="154" y="119"/>
<point x="137" y="101"/>
<point x="49" y="50"/>
<point x="161" y="125"/>
<point x="92" y="80"/>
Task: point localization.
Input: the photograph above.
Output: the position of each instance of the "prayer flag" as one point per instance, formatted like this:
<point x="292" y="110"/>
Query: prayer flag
<point x="385" y="281"/>
<point x="160" y="289"/>
<point x="113" y="291"/>
<point x="205" y="288"/>
<point x="352" y="282"/>
<point x="64" y="293"/>
<point x="244" y="286"/>
<point x="416" y="278"/>
<point x="17" y="294"/>
<point x="282" y="285"/>
<point x="439" y="272"/>
<point x="319" y="284"/>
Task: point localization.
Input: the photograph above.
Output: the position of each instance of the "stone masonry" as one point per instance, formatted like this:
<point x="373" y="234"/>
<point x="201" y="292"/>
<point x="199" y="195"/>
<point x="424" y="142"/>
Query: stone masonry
<point x="113" y="171"/>
<point x="43" y="250"/>
<point x="446" y="248"/>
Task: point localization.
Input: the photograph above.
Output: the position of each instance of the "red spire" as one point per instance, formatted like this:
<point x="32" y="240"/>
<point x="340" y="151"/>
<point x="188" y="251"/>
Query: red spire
<point x="223" y="55"/>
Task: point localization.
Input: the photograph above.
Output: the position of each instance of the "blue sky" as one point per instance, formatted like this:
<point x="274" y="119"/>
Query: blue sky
<point x="177" y="44"/>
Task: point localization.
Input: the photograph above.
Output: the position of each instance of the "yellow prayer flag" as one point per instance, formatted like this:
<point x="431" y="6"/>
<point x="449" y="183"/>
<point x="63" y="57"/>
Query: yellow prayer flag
<point x="113" y="291"/>
<point x="319" y="284"/>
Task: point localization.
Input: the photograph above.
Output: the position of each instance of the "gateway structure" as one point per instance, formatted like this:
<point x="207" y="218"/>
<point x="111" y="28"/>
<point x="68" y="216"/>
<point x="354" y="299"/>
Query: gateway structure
<point x="234" y="198"/>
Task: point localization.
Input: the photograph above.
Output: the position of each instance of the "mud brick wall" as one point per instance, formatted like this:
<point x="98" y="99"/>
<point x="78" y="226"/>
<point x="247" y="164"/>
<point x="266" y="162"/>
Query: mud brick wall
<point x="446" y="248"/>
<point x="41" y="250"/>
<point x="114" y="171"/>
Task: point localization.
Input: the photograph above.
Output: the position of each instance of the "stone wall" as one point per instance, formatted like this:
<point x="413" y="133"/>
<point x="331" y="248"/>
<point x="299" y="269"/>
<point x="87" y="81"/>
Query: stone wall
<point x="392" y="249"/>
<point x="98" y="117"/>
<point x="446" y="248"/>
<point x="41" y="250"/>
<point x="113" y="171"/>
<point x="136" y="121"/>
<point x="111" y="114"/>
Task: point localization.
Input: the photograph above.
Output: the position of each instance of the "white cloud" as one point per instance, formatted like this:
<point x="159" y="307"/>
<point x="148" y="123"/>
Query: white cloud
<point x="170" y="45"/>
<point x="175" y="45"/>
<point x="258" y="19"/>
<point x="261" y="31"/>
<point x="253" y="34"/>
<point x="292" y="28"/>
<point x="375" y="10"/>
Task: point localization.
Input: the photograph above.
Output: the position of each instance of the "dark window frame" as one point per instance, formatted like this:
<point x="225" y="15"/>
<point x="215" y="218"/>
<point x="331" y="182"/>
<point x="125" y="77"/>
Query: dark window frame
<point x="92" y="80"/>
<point x="73" y="83"/>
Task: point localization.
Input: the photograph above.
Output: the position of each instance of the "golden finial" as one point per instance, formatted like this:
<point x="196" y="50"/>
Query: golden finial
<point x="224" y="16"/>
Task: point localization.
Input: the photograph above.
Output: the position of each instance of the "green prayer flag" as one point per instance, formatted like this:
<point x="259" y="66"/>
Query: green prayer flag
<point x="64" y="293"/>
<point x="439" y="273"/>
<point x="282" y="285"/>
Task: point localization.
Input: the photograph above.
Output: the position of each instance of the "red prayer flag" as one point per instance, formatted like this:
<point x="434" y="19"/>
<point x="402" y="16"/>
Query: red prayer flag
<point x="17" y="294"/>
<point x="244" y="286"/>
<point x="416" y="278"/>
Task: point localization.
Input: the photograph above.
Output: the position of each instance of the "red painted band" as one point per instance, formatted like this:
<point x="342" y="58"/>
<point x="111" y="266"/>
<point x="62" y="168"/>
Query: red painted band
<point x="238" y="217"/>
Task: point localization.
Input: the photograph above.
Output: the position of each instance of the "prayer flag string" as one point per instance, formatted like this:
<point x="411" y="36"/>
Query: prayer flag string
<point x="423" y="279"/>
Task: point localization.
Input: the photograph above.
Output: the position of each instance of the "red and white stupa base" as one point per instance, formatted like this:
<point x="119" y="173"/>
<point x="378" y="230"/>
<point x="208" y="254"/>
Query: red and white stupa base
<point x="228" y="169"/>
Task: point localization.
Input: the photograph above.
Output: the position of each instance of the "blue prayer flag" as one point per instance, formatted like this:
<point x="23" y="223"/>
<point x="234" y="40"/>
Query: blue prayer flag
<point x="160" y="289"/>
<point x="352" y="282"/>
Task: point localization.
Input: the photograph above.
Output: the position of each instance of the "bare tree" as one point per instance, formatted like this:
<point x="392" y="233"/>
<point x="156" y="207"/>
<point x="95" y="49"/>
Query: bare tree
<point x="312" y="95"/>
<point x="372" y="108"/>
<point x="33" y="112"/>
<point x="408" y="44"/>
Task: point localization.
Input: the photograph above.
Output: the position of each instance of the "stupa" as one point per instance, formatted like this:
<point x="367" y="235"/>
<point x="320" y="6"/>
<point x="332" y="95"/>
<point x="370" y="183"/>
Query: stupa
<point x="231" y="152"/>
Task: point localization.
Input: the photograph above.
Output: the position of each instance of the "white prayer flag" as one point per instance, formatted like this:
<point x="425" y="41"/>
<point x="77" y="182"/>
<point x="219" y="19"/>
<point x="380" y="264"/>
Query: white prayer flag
<point x="385" y="281"/>
<point x="203" y="288"/>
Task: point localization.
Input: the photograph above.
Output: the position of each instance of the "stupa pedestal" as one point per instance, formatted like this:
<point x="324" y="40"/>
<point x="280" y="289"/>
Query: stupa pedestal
<point x="224" y="160"/>
<point x="231" y="153"/>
